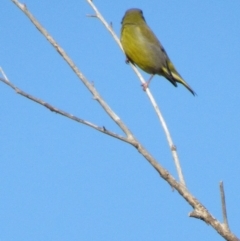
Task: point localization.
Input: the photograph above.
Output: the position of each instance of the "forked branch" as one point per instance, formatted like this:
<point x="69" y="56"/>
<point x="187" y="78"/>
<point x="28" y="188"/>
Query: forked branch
<point x="199" y="211"/>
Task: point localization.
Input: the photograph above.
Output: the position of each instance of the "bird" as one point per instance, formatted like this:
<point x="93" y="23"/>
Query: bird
<point x="142" y="48"/>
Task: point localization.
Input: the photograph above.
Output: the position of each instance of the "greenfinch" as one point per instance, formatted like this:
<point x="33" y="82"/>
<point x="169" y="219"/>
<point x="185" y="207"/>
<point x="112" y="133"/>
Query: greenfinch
<point x="142" y="48"/>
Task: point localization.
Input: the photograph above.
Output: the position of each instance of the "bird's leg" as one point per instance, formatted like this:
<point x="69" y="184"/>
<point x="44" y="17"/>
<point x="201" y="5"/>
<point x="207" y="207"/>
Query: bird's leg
<point x="127" y="60"/>
<point x="146" y="84"/>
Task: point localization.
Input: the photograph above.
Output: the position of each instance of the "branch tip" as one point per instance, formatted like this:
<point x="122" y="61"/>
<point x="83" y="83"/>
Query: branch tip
<point x="223" y="202"/>
<point x="4" y="75"/>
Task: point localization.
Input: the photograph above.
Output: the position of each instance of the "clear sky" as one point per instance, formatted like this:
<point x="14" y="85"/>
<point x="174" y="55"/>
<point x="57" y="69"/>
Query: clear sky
<point x="60" y="180"/>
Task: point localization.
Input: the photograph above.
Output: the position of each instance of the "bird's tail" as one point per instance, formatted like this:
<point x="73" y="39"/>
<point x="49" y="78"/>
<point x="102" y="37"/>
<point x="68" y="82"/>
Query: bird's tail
<point x="172" y="75"/>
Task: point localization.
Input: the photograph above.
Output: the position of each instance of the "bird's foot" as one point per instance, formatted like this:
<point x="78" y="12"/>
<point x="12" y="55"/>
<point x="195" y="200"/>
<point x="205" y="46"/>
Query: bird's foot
<point x="145" y="86"/>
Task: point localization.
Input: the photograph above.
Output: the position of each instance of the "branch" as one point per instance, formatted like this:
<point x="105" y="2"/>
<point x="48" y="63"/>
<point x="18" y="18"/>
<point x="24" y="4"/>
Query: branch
<point x="173" y="148"/>
<point x="90" y="87"/>
<point x="94" y="92"/>
<point x="224" y="209"/>
<point x="201" y="211"/>
<point x="61" y="112"/>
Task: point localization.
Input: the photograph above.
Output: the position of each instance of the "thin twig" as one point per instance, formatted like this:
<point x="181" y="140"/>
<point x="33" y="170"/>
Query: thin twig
<point x="223" y="201"/>
<point x="148" y="92"/>
<point x="61" y="112"/>
<point x="169" y="139"/>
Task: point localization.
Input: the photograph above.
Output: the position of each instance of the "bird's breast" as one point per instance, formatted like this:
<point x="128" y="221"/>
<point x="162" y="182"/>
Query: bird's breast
<point x="141" y="50"/>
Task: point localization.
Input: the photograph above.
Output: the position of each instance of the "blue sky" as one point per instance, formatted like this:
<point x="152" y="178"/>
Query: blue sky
<point x="61" y="180"/>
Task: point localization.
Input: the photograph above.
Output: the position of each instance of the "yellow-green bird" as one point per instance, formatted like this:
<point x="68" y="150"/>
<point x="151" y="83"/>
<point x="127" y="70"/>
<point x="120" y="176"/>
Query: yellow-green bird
<point x="142" y="48"/>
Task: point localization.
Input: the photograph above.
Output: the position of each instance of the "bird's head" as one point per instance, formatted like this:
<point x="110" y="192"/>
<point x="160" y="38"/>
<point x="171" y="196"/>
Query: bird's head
<point x="133" y="16"/>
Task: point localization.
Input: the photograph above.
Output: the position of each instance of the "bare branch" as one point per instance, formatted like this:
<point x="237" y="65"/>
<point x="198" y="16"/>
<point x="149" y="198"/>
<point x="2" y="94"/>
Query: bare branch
<point x="201" y="211"/>
<point x="90" y="87"/>
<point x="94" y="91"/>
<point x="224" y="209"/>
<point x="61" y="112"/>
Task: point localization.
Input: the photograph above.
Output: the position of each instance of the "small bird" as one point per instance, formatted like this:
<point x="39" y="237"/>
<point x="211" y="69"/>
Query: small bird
<point x="142" y="48"/>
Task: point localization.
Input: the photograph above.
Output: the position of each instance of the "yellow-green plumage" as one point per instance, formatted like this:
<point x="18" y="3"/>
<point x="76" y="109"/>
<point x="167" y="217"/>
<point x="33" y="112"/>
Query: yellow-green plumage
<point x="142" y="48"/>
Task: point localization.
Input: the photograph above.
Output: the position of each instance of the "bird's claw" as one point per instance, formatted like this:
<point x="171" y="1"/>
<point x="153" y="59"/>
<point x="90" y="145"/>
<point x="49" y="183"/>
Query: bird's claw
<point x="145" y="86"/>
